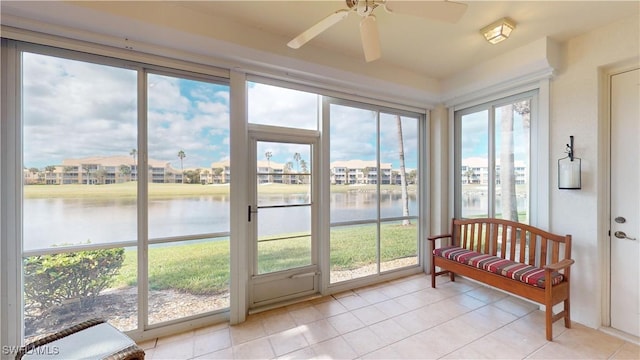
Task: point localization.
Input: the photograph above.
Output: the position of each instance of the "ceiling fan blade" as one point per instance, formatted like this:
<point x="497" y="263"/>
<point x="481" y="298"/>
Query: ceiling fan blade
<point x="370" y="38"/>
<point x="318" y="28"/>
<point x="447" y="11"/>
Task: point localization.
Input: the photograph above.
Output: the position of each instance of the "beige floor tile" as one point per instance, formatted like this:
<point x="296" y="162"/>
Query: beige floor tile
<point x="330" y="308"/>
<point x="185" y="336"/>
<point x="210" y="329"/>
<point x="372" y="296"/>
<point x="516" y="306"/>
<point x="319" y="331"/>
<point x="352" y="302"/>
<point x="363" y="341"/>
<point x="452" y="321"/>
<point x="412" y="301"/>
<point x="467" y="301"/>
<point x="345" y="323"/>
<point x="277" y="322"/>
<point x="370" y="314"/>
<point x="175" y="350"/>
<point x="336" y="348"/>
<point x="206" y="343"/>
<point x="224" y="354"/>
<point x="488" y="347"/>
<point x="386" y="353"/>
<point x="247" y="331"/>
<point x="486" y="294"/>
<point x="254" y="349"/>
<point x="302" y="354"/>
<point x="579" y="342"/>
<point x="392" y="290"/>
<point x="413" y="322"/>
<point x="389" y="331"/>
<point x="288" y="341"/>
<point x="391" y="308"/>
<point x="627" y="351"/>
<point x="413" y="283"/>
<point x="306" y="315"/>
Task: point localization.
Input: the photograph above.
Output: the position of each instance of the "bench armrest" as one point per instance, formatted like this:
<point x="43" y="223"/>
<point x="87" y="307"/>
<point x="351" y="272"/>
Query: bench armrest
<point x="562" y="264"/>
<point x="436" y="237"/>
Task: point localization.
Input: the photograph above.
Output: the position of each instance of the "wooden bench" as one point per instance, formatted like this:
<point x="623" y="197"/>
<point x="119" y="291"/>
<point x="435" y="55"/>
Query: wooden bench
<point x="514" y="257"/>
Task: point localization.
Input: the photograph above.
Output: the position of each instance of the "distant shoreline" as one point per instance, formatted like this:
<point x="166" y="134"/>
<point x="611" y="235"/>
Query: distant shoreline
<point x="129" y="190"/>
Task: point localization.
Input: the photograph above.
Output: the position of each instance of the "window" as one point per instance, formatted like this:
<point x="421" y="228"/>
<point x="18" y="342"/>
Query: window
<point x="83" y="225"/>
<point x="374" y="161"/>
<point x="493" y="143"/>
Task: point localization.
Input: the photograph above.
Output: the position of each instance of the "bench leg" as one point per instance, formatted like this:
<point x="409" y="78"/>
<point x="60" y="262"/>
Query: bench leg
<point x="567" y="314"/>
<point x="433" y="272"/>
<point x="549" y="322"/>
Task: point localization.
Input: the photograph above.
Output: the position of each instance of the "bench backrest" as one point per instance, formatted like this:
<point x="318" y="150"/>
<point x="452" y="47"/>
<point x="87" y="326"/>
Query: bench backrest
<point x="511" y="240"/>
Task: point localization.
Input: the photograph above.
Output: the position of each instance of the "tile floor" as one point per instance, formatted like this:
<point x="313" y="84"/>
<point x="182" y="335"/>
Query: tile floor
<point x="401" y="319"/>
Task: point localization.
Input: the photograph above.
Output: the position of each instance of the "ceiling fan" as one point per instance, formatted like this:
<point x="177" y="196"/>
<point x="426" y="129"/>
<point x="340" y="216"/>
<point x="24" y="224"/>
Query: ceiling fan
<point x="444" y="10"/>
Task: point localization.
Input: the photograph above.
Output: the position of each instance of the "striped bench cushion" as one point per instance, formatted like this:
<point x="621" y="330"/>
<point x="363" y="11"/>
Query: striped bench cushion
<point x="514" y="270"/>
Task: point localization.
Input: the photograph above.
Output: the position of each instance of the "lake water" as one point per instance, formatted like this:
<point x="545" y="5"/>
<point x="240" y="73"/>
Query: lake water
<point x="55" y="222"/>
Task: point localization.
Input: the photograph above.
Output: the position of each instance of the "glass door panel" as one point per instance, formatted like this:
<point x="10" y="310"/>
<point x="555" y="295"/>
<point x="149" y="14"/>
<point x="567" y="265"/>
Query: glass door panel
<point x="282" y="216"/>
<point x="283" y="187"/>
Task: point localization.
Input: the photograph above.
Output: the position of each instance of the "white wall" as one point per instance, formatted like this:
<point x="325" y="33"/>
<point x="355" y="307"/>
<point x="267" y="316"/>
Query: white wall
<point x="575" y="101"/>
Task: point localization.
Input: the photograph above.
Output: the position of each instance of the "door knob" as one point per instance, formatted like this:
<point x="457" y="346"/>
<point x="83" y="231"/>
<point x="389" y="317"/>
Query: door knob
<point x="622" y="235"/>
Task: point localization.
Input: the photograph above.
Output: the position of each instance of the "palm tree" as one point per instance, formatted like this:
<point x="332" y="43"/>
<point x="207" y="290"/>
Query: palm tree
<point x="268" y="155"/>
<point x="403" y="174"/>
<point x="133" y="153"/>
<point x="297" y="159"/>
<point x="182" y="155"/>
<point x="304" y="169"/>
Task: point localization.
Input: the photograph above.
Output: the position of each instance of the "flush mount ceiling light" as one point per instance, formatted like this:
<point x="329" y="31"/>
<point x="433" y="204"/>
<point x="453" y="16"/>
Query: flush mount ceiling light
<point x="498" y="30"/>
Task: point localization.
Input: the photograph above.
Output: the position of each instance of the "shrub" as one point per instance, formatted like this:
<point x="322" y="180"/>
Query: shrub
<point x="55" y="279"/>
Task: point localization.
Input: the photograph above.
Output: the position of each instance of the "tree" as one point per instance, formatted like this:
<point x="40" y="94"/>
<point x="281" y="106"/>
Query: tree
<point x="217" y="173"/>
<point x="86" y="169"/>
<point x="268" y="155"/>
<point x="507" y="160"/>
<point x="403" y="173"/>
<point x="304" y="169"/>
<point x="287" y="170"/>
<point x="101" y="175"/>
<point x="182" y="155"/>
<point x="125" y="171"/>
<point x="365" y="173"/>
<point x="297" y="157"/>
<point x="133" y="153"/>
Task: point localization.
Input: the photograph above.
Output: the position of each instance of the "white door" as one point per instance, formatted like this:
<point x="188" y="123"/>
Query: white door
<point x="625" y="202"/>
<point x="282" y="215"/>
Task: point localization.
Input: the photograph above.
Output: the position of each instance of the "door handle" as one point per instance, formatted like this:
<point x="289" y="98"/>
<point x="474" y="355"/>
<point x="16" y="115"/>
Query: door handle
<point x="622" y="235"/>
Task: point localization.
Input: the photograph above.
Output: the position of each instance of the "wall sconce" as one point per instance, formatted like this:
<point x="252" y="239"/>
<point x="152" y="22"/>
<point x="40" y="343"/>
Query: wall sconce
<point x="498" y="30"/>
<point x="569" y="170"/>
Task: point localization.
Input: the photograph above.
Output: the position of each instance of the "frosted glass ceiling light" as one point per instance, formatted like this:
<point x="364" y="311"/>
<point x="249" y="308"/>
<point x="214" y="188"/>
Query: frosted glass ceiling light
<point x="498" y="30"/>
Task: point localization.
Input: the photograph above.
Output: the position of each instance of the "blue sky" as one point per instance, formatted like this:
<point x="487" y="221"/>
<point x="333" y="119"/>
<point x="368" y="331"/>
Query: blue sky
<point x="75" y="109"/>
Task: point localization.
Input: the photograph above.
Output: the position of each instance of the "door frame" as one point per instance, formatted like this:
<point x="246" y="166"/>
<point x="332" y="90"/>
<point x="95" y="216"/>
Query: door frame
<point x="604" y="190"/>
<point x="269" y="133"/>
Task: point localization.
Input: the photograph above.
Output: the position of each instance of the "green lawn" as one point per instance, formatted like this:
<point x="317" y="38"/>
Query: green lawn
<point x="203" y="267"/>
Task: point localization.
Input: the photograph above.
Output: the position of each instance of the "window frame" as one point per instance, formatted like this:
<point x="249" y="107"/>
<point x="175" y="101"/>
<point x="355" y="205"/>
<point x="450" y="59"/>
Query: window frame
<point x="538" y="93"/>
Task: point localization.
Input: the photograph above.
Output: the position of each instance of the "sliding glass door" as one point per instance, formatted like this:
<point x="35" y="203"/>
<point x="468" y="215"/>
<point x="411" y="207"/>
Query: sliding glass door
<point x="121" y="223"/>
<point x="374" y="184"/>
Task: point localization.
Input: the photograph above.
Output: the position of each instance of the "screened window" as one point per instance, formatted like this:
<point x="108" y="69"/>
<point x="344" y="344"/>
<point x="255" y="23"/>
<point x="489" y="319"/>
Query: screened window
<point x="493" y="143"/>
<point x="82" y="166"/>
<point x="374" y="190"/>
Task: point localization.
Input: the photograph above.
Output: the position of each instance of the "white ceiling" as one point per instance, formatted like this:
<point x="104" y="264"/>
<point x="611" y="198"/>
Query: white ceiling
<point x="411" y="46"/>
